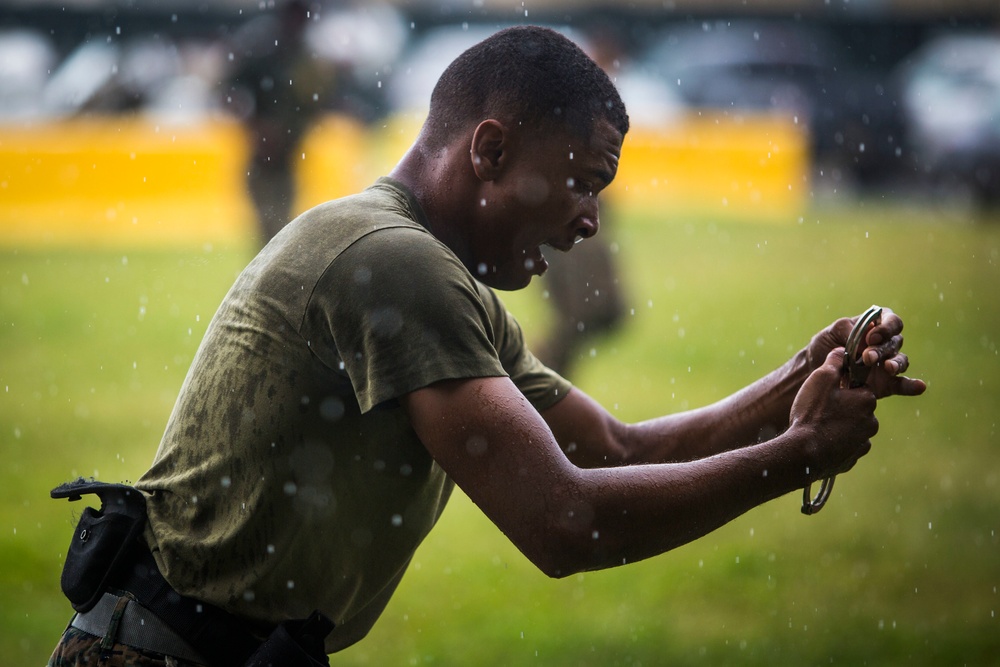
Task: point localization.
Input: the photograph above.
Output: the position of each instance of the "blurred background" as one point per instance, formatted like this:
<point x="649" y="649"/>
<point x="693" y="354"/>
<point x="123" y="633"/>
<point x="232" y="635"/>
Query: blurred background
<point x="821" y="98"/>
<point x="790" y="162"/>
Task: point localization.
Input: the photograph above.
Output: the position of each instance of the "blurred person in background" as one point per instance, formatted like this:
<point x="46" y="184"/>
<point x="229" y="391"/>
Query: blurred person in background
<point x="363" y="365"/>
<point x="277" y="88"/>
<point x="584" y="286"/>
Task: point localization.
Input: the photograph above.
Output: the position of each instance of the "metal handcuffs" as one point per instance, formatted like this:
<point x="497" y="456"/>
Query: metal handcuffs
<point x="857" y="374"/>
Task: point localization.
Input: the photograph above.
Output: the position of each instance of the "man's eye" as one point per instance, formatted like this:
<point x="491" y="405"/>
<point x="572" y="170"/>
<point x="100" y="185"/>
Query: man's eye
<point x="583" y="187"/>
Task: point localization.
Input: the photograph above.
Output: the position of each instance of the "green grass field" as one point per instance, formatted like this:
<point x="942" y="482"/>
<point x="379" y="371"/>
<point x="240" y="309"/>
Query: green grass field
<point x="901" y="568"/>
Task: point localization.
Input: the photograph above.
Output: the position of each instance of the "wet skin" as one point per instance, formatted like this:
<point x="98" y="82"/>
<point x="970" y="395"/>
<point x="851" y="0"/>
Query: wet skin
<point x="538" y="188"/>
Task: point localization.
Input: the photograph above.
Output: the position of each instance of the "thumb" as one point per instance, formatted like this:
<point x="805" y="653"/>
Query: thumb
<point x="835" y="358"/>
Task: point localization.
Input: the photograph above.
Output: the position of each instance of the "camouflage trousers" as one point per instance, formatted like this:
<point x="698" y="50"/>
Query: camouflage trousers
<point x="77" y="648"/>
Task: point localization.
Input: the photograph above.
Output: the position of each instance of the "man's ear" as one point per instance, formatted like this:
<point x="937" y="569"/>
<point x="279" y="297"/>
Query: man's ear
<point x="489" y="149"/>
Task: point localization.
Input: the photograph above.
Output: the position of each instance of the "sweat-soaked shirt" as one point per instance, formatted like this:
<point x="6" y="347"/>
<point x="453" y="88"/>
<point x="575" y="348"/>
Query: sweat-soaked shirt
<point x="289" y="478"/>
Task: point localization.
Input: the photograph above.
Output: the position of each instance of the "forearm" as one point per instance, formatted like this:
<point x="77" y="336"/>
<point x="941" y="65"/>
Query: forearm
<point x="591" y="437"/>
<point x="754" y="414"/>
<point x="616" y="515"/>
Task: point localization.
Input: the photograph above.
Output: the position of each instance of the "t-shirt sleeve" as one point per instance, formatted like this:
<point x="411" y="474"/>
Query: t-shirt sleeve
<point x="542" y="386"/>
<point x="401" y="313"/>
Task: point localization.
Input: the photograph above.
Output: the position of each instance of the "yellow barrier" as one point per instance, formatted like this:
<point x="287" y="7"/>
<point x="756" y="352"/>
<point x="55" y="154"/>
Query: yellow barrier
<point x="337" y="159"/>
<point x="132" y="181"/>
<point x="717" y="165"/>
<point x="122" y="180"/>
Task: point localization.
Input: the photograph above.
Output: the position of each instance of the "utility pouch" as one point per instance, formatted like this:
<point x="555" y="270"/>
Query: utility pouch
<point x="295" y="644"/>
<point x="102" y="539"/>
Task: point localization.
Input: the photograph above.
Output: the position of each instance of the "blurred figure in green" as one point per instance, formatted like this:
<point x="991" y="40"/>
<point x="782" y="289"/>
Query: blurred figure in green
<point x="583" y="286"/>
<point x="277" y="89"/>
<point x="586" y="296"/>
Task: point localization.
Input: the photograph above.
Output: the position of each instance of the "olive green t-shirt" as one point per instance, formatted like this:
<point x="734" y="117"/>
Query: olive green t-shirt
<point x="289" y="478"/>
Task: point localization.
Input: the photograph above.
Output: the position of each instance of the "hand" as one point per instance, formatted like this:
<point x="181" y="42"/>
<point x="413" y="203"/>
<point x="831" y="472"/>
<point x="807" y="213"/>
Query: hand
<point x="838" y="423"/>
<point x="884" y="342"/>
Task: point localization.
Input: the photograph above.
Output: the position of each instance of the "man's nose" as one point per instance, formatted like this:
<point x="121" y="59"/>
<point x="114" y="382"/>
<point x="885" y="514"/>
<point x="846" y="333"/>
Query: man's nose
<point x="589" y="221"/>
<point x="587" y="227"/>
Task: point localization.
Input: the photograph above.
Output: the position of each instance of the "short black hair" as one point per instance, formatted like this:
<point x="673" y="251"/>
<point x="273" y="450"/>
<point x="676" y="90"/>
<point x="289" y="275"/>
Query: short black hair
<point x="524" y="74"/>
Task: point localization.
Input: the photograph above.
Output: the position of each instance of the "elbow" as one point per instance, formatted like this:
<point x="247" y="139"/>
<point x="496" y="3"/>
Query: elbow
<point x="558" y="566"/>
<point x="555" y="567"/>
<point x="575" y="530"/>
<point x="569" y="544"/>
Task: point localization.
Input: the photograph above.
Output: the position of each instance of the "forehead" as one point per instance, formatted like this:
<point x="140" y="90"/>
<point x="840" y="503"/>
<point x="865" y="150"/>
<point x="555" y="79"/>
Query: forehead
<point x="602" y="144"/>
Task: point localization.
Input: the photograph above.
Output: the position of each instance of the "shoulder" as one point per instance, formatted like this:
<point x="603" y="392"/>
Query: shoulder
<point x="403" y="263"/>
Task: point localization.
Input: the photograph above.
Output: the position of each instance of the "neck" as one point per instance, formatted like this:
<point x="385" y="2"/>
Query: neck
<point x="436" y="182"/>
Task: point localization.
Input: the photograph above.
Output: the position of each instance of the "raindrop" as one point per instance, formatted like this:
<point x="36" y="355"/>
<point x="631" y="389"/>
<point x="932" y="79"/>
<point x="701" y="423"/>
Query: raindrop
<point x="331" y="408"/>
<point x="397" y="520"/>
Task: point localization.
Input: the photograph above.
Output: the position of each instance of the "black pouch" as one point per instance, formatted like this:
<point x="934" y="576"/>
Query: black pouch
<point x="102" y="539"/>
<point x="295" y="644"/>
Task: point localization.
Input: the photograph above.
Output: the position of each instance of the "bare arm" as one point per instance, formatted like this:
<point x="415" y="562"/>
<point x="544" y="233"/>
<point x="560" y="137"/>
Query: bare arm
<point x="591" y="437"/>
<point x="565" y="519"/>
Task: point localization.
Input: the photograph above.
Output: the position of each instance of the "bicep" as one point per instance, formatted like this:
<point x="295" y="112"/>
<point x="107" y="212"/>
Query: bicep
<point x="497" y="448"/>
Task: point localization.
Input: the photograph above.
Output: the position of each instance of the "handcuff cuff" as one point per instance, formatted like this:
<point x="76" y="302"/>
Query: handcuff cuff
<point x="857" y="375"/>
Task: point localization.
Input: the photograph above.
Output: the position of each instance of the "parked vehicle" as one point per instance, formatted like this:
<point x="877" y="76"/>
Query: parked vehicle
<point x="951" y="102"/>
<point x="789" y="68"/>
<point x="26" y="56"/>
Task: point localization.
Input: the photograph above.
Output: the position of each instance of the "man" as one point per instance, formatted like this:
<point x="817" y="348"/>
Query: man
<point x="361" y="365"/>
<point x="278" y="89"/>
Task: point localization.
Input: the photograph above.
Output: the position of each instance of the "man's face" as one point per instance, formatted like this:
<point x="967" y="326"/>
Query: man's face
<point x="546" y="194"/>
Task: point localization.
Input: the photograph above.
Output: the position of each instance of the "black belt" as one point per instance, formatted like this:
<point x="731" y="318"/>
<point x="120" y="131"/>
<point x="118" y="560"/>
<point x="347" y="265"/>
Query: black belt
<point x="136" y="627"/>
<point x="220" y="637"/>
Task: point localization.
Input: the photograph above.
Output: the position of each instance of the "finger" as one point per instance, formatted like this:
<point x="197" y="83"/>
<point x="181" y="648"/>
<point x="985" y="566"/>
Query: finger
<point x="897" y="364"/>
<point x="904" y="386"/>
<point x="873" y="354"/>
<point x="834" y="360"/>
<point x="890" y="325"/>
<point x="865" y="447"/>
